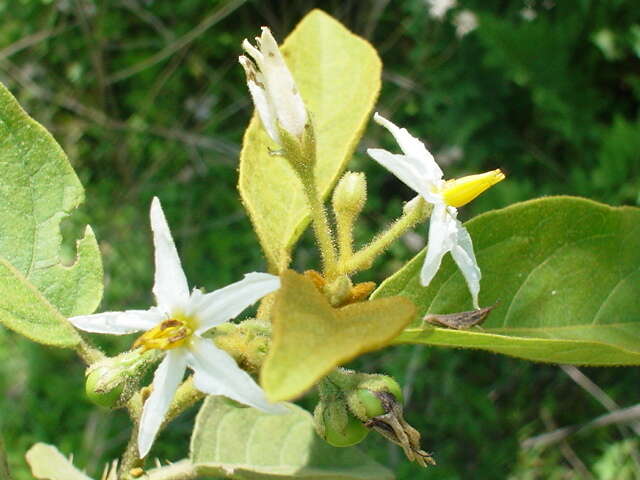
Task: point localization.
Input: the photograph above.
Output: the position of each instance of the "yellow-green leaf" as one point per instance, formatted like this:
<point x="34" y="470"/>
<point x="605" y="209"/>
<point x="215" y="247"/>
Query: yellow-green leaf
<point x="310" y="337"/>
<point x="338" y="75"/>
<point x="47" y="463"/>
<point x="231" y="441"/>
<point x="38" y="188"/>
<point x="566" y="274"/>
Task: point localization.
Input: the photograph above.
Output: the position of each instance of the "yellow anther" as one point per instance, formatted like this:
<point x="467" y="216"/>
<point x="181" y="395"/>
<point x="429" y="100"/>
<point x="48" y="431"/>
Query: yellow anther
<point x="460" y="191"/>
<point x="168" y="334"/>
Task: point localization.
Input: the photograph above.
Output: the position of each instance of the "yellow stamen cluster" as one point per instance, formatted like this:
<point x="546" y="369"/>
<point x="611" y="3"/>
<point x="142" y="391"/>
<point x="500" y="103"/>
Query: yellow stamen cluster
<point x="168" y="334"/>
<point x="460" y="191"/>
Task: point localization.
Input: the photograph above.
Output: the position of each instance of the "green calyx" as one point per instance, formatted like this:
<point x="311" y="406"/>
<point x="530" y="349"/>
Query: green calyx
<point x="112" y="381"/>
<point x="99" y="393"/>
<point x="247" y="342"/>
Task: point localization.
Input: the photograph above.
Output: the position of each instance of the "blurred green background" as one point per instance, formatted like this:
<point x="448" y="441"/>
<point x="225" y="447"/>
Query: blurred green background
<point x="147" y="98"/>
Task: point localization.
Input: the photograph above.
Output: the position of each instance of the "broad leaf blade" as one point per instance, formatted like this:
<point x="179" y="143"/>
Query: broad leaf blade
<point x="566" y="272"/>
<point x="26" y="311"/>
<point x="246" y="444"/>
<point x="338" y="75"/>
<point x="311" y="338"/>
<point x="47" y="463"/>
<point x="38" y="188"/>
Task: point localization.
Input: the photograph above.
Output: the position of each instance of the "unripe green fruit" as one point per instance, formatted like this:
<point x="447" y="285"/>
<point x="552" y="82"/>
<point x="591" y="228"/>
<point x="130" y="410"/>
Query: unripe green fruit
<point x="353" y="433"/>
<point x="371" y="401"/>
<point x="104" y="399"/>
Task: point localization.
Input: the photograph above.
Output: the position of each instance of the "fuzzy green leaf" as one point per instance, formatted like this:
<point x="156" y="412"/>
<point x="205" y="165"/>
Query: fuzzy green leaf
<point x="47" y="463"/>
<point x="231" y="441"/>
<point x="38" y="188"/>
<point x="311" y="338"/>
<point x="566" y="274"/>
<point x="338" y="75"/>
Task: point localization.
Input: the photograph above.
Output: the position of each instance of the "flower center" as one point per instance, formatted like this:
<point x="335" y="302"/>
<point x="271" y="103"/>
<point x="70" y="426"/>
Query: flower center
<point x="461" y="191"/>
<point x="171" y="333"/>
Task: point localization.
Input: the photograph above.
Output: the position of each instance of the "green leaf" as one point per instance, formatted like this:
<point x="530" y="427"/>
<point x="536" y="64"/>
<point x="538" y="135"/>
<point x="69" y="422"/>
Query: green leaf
<point x="311" y="338"/>
<point x="38" y="188"/>
<point x="47" y="463"/>
<point x="246" y="444"/>
<point x="566" y="274"/>
<point x="338" y="75"/>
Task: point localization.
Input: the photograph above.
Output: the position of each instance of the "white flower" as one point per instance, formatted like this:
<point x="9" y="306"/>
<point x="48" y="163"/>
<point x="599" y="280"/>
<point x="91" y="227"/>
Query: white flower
<point x="176" y="325"/>
<point x="418" y="170"/>
<point x="272" y="87"/>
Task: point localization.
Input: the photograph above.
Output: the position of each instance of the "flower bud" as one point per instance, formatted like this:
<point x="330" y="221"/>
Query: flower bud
<point x="272" y="88"/>
<point x="339" y="290"/>
<point x="350" y="194"/>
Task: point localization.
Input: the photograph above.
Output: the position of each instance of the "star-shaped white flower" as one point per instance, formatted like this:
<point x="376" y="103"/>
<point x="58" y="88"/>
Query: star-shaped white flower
<point x="176" y="325"/>
<point x="420" y="172"/>
<point x="272" y="87"/>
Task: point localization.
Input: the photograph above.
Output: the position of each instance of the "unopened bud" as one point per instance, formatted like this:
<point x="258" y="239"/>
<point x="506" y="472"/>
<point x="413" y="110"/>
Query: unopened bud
<point x="350" y="194"/>
<point x="339" y="290"/>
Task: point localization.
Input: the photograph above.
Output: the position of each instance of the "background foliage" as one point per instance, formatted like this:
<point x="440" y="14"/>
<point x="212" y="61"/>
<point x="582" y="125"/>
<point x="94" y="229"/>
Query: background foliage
<point x="146" y="98"/>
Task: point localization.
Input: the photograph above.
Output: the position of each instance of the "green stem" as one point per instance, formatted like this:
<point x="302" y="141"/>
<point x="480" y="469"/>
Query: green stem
<point x="364" y="258"/>
<point x="344" y="230"/>
<point x="321" y="227"/>
<point x="130" y="459"/>
<point x="88" y="353"/>
<point x="186" y="396"/>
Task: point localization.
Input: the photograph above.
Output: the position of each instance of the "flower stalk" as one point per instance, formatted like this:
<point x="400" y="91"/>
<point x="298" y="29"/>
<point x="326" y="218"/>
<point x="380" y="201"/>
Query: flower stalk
<point x="364" y="258"/>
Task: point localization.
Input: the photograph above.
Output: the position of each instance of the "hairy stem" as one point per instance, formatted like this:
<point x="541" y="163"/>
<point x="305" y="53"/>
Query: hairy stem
<point x="364" y="258"/>
<point x="88" y="353"/>
<point x="131" y="458"/>
<point x="321" y="227"/>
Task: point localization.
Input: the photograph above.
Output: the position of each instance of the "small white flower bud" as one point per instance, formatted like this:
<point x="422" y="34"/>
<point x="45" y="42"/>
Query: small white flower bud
<point x="272" y="87"/>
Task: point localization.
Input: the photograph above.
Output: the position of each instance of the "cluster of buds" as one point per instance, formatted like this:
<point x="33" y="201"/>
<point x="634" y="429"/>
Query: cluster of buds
<point x="352" y="404"/>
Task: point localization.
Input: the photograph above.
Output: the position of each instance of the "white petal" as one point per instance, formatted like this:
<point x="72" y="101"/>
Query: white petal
<point x="265" y="111"/>
<point x="402" y="167"/>
<point x="462" y="253"/>
<point x="226" y="303"/>
<point x="165" y="382"/>
<point x="412" y="147"/>
<point x="280" y="86"/>
<point x="118" y="323"/>
<point x="216" y="373"/>
<point x="170" y="286"/>
<point x="440" y="242"/>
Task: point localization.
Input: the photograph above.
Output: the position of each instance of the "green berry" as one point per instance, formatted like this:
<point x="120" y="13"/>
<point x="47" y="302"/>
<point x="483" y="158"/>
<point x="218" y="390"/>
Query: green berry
<point x="102" y="398"/>
<point x="371" y="403"/>
<point x="353" y="433"/>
